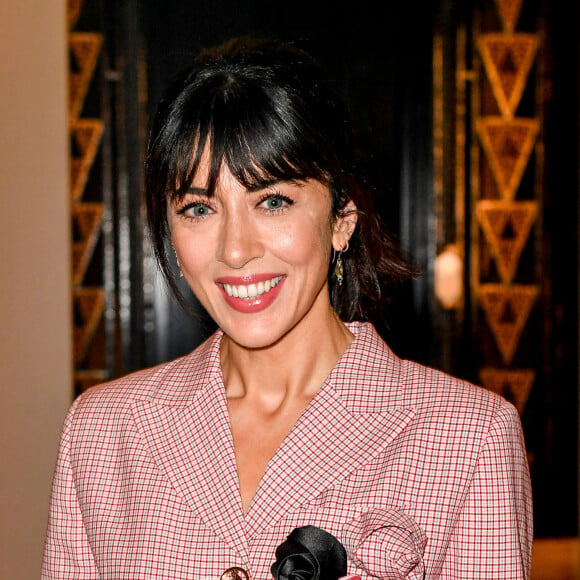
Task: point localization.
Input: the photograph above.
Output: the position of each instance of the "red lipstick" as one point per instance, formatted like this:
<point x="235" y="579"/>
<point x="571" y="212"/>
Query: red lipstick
<point x="251" y="305"/>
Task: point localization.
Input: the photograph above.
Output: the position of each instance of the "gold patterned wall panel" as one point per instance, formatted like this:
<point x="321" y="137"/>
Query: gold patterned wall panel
<point x="507" y="59"/>
<point x="86" y="224"/>
<point x="85" y="139"/>
<point x="73" y="12"/>
<point x="507" y="308"/>
<point x="494" y="174"/>
<point x="508" y="138"/>
<point x="507" y="144"/>
<point x="506" y="226"/>
<point x="86" y="214"/>
<point x="514" y="385"/>
<point x="88" y="310"/>
<point x="84" y="49"/>
<point x="509" y="12"/>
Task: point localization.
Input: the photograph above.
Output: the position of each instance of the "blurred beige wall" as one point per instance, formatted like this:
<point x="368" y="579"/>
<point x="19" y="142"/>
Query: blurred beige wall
<point x="35" y="321"/>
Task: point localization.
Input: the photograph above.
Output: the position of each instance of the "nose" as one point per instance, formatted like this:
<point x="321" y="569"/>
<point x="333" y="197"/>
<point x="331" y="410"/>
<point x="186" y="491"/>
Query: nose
<point x="240" y="242"/>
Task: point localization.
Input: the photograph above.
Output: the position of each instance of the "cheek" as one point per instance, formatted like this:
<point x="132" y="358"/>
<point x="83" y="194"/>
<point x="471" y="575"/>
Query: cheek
<point x="303" y="244"/>
<point x="193" y="251"/>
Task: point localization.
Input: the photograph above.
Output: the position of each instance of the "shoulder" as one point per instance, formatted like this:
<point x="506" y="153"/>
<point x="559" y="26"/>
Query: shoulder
<point x="172" y="383"/>
<point x="376" y="378"/>
<point x="455" y="413"/>
<point x="427" y="387"/>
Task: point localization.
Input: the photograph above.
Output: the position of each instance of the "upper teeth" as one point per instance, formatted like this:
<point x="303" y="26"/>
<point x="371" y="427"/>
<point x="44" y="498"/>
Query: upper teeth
<point x="250" y="291"/>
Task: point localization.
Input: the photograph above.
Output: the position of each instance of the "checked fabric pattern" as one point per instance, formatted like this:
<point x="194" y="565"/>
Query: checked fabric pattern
<point x="418" y="474"/>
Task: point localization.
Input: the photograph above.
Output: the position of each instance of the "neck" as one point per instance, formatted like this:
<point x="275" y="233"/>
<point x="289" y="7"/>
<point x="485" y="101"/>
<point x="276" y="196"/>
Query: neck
<point x="293" y="367"/>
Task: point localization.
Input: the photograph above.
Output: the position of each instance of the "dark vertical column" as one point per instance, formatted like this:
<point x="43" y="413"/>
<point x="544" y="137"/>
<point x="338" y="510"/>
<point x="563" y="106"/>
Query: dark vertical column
<point x="127" y="100"/>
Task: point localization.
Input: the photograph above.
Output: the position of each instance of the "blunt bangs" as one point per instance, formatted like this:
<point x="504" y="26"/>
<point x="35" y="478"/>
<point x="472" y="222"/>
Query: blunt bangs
<point x="249" y="125"/>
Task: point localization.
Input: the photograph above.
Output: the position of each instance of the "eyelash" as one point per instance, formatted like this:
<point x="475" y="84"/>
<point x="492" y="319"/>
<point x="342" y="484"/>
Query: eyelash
<point x="279" y="197"/>
<point x="184" y="211"/>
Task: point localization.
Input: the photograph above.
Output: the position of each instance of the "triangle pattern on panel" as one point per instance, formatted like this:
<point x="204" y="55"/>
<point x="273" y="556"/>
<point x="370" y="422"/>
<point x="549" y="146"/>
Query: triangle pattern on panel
<point x="85" y="138"/>
<point x="88" y="306"/>
<point x="515" y="385"/>
<point x="506" y="225"/>
<point x="507" y="309"/>
<point x="508" y="144"/>
<point x="509" y="12"/>
<point x="87" y="219"/>
<point x="507" y="59"/>
<point x="84" y="48"/>
<point x="73" y="12"/>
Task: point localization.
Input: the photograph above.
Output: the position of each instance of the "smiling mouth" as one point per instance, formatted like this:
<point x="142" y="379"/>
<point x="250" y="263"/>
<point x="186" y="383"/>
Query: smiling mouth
<point x="251" y="291"/>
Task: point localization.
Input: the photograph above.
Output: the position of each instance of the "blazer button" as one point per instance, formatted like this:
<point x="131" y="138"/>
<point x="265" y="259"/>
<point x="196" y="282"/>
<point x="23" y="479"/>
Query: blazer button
<point x="235" y="573"/>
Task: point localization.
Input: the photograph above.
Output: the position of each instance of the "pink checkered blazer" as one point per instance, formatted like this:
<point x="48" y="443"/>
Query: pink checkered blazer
<point x="418" y="474"/>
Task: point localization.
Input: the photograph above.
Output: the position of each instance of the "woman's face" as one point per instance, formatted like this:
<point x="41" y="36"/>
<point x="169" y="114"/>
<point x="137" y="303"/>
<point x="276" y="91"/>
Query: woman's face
<point x="257" y="259"/>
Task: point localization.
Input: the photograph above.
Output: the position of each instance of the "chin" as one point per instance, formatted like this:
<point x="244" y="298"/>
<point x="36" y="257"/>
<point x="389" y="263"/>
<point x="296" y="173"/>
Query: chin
<point x="252" y="337"/>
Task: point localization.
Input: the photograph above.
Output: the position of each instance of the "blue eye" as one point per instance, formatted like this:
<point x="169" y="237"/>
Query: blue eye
<point x="199" y="210"/>
<point x="196" y="209"/>
<point x="275" y="202"/>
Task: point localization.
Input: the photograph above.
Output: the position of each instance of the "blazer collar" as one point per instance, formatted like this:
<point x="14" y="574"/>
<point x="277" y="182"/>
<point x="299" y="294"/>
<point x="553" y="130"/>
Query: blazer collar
<point x="355" y="415"/>
<point x="185" y="422"/>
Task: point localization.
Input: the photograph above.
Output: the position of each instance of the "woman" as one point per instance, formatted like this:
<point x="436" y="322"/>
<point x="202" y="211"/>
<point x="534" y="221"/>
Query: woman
<point x="294" y="415"/>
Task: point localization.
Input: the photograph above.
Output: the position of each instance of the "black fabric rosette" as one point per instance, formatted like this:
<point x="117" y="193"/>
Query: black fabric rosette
<point x="309" y="553"/>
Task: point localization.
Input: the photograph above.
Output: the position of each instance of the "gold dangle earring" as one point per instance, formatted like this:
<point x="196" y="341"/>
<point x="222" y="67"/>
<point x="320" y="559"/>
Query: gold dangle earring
<point x="339" y="268"/>
<point x="177" y="260"/>
<point x="338" y="271"/>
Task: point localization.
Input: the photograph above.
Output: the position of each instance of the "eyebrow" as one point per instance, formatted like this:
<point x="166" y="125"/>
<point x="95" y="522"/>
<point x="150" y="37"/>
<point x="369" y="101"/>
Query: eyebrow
<point x="263" y="184"/>
<point x="266" y="183"/>
<point x="197" y="191"/>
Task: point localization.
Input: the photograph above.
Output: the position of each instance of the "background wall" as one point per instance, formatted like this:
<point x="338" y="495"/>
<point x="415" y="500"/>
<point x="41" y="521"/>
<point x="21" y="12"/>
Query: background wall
<point x="35" y="321"/>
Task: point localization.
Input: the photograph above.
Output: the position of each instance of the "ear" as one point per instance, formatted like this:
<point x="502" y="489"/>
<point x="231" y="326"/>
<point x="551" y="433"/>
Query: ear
<point x="344" y="226"/>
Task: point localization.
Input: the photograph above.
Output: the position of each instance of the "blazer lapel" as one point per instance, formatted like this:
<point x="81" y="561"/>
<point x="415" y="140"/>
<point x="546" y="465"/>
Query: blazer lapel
<point x="192" y="444"/>
<point x="354" y="416"/>
<point x="327" y="444"/>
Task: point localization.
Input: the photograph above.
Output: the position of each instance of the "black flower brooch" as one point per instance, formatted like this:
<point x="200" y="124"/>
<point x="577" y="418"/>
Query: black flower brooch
<point x="309" y="553"/>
